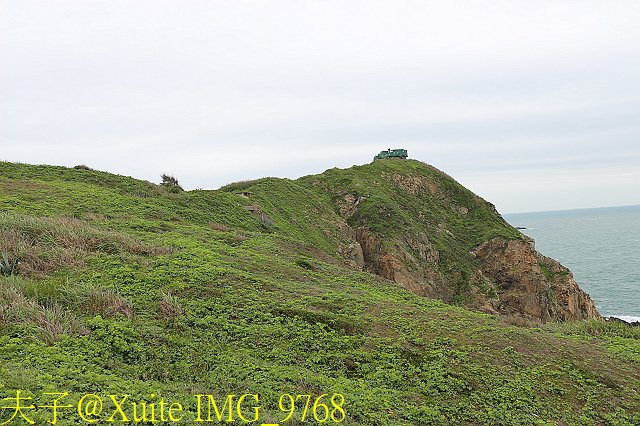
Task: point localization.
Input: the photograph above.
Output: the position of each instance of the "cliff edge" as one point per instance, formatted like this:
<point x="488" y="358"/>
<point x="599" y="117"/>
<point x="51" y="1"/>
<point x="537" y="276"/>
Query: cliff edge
<point x="413" y="224"/>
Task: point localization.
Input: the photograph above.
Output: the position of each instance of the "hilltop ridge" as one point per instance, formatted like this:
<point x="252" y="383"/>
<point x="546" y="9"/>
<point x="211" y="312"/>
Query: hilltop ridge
<point x="409" y="222"/>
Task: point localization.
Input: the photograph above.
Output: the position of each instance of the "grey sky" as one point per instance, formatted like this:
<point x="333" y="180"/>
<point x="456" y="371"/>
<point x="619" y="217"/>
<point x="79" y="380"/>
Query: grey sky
<point x="534" y="105"/>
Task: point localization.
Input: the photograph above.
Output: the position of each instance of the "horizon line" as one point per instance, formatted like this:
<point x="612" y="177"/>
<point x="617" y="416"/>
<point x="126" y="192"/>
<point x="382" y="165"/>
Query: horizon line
<point x="574" y="209"/>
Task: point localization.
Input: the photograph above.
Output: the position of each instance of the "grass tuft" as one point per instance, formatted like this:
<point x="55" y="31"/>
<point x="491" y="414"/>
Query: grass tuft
<point x="170" y="307"/>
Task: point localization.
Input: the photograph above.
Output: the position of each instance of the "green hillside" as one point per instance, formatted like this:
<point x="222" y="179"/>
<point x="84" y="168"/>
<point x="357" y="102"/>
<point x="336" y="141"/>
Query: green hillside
<point x="126" y="287"/>
<point x="405" y="197"/>
<point x="405" y="200"/>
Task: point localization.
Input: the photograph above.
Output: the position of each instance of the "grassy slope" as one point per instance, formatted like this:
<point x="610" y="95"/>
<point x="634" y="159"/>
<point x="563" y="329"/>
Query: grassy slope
<point x="175" y="294"/>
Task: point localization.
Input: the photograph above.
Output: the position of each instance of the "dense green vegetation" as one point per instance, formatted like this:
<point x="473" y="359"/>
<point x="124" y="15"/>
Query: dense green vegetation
<point x="126" y="287"/>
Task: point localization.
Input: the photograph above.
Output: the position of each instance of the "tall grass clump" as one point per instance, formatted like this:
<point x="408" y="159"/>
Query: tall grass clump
<point x="170" y="307"/>
<point x="49" y="322"/>
<point x="44" y="244"/>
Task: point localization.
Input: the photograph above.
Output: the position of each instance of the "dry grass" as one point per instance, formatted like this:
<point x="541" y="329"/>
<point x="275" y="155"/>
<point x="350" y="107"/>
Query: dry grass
<point x="107" y="303"/>
<point x="170" y="306"/>
<point x="519" y="321"/>
<point x="44" y="244"/>
<point x="218" y="227"/>
<point x="50" y="322"/>
<point x="95" y="217"/>
<point x="53" y="309"/>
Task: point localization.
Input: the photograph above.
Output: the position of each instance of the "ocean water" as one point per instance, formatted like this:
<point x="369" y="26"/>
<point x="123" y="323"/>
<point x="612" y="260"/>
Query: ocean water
<point x="600" y="246"/>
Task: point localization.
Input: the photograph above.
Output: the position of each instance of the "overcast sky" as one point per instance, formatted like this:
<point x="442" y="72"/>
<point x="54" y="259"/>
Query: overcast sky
<point x="534" y="105"/>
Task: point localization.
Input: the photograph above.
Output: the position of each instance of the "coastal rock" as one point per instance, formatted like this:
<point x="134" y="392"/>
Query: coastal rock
<point x="413" y="224"/>
<point x="531" y="284"/>
<point x="524" y="282"/>
<point x="621" y="321"/>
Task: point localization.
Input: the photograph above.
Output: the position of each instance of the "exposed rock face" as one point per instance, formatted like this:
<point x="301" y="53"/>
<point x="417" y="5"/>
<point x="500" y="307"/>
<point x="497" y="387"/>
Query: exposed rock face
<point x="415" y="184"/>
<point x="530" y="284"/>
<point x="399" y="262"/>
<point x="353" y="255"/>
<point x="413" y="224"/>
<point x="525" y="283"/>
<point x="395" y="262"/>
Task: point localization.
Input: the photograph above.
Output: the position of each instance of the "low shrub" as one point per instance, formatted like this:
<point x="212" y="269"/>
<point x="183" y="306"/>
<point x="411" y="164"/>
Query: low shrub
<point x="82" y="167"/>
<point x="171" y="183"/>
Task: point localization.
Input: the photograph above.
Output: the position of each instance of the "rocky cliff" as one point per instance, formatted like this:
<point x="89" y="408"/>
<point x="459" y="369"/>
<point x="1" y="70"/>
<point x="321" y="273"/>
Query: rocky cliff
<point x="531" y="284"/>
<point x="413" y="224"/>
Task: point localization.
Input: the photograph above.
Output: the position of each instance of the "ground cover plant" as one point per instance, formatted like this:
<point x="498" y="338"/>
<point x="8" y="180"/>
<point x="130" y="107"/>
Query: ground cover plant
<point x="127" y="287"/>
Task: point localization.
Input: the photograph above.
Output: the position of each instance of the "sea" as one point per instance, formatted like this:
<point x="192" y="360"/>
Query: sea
<point x="600" y="246"/>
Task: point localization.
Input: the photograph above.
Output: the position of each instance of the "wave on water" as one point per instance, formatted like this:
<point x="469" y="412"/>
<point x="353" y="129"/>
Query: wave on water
<point x="627" y="318"/>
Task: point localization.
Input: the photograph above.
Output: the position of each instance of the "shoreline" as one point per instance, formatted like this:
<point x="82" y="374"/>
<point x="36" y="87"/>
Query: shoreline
<point x="627" y="319"/>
